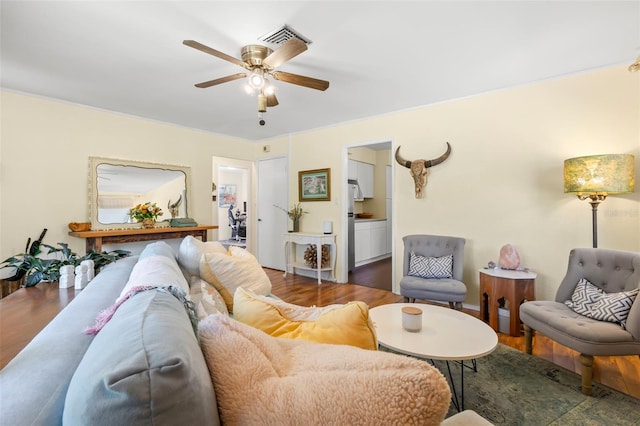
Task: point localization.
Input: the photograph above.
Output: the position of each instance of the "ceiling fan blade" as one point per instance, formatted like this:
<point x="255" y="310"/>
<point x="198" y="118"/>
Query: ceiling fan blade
<point x="214" y="52"/>
<point x="290" y="49"/>
<point x="272" y="100"/>
<point x="301" y="80"/>
<point x="221" y="80"/>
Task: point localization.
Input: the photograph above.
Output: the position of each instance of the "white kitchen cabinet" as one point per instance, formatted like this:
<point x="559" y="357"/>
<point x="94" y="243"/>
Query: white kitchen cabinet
<point x="378" y="238"/>
<point x="370" y="241"/>
<point x="362" y="241"/>
<point x="364" y="173"/>
<point x="365" y="178"/>
<point x="352" y="172"/>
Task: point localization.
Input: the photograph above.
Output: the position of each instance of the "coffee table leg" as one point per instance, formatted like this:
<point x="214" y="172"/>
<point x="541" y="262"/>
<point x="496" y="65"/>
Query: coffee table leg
<point x="459" y="404"/>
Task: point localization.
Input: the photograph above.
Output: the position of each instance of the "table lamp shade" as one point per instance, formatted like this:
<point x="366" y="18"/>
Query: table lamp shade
<point x="602" y="174"/>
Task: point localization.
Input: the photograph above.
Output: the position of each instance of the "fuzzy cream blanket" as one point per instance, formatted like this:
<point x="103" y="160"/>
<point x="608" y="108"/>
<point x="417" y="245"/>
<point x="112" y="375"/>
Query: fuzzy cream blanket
<point x="264" y="380"/>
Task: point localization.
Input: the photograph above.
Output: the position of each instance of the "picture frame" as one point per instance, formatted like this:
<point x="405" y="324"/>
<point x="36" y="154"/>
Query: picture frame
<point x="227" y="195"/>
<point x="314" y="185"/>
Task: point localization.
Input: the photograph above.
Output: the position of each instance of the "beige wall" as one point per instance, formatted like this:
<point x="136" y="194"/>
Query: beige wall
<point x="45" y="150"/>
<point x="502" y="183"/>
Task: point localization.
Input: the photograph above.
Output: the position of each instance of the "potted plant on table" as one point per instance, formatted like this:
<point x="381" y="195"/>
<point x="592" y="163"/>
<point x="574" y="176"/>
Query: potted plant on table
<point x="36" y="269"/>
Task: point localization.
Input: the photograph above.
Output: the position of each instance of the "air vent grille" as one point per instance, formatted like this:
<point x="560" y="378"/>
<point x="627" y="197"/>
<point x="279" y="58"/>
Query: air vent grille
<point x="282" y="35"/>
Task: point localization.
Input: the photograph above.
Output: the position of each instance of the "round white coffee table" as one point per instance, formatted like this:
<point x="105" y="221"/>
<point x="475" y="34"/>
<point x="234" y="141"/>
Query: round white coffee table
<point x="446" y="334"/>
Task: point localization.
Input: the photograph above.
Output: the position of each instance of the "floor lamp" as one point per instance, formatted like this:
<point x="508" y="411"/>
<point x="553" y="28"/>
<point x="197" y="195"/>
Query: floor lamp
<point x="594" y="177"/>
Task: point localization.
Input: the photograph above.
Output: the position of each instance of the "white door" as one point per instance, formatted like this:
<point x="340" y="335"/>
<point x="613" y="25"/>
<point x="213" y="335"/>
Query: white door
<point x="272" y="222"/>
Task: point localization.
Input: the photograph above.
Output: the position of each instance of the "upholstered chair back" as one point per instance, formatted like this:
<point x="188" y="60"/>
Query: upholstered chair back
<point x="435" y="246"/>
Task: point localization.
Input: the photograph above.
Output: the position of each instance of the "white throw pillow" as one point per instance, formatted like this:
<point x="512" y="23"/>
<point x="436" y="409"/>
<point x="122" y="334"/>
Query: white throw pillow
<point x="226" y="273"/>
<point x="191" y="250"/>
<point x="206" y="298"/>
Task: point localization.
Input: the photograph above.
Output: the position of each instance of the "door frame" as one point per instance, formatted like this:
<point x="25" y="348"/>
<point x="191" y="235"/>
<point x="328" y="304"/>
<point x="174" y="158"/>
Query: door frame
<point x="344" y="273"/>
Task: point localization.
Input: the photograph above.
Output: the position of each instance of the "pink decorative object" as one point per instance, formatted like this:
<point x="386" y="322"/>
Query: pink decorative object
<point x="509" y="257"/>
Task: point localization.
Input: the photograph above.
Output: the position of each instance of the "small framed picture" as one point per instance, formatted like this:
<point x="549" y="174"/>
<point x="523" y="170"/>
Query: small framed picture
<point x="314" y="185"/>
<point x="227" y="195"/>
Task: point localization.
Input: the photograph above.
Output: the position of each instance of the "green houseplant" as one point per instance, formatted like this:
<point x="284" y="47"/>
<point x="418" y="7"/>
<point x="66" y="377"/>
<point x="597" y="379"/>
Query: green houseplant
<point x="36" y="269"/>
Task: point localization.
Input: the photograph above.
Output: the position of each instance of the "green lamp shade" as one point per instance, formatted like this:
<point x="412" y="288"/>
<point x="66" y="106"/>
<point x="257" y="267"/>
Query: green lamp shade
<point x="608" y="174"/>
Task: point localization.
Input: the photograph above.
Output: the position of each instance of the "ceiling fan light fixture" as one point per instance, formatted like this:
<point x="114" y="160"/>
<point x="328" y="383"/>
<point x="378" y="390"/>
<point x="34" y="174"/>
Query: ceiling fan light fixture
<point x="269" y="89"/>
<point x="256" y="79"/>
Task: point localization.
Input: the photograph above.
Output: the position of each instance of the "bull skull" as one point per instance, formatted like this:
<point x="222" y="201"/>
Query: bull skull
<point x="173" y="208"/>
<point x="419" y="168"/>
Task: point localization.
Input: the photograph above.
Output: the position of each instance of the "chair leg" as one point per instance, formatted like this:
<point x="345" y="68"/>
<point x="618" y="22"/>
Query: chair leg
<point x="528" y="337"/>
<point x="456" y="305"/>
<point x="587" y="373"/>
<point x="409" y="300"/>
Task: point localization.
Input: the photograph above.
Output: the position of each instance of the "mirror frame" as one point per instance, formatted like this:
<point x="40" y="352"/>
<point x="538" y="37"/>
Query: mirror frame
<point x="94" y="162"/>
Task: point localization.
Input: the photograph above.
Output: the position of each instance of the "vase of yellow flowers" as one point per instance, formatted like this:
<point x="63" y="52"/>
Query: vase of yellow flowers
<point x="146" y="213"/>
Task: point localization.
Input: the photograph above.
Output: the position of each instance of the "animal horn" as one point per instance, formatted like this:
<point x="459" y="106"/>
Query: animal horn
<point x="436" y="161"/>
<point x="401" y="160"/>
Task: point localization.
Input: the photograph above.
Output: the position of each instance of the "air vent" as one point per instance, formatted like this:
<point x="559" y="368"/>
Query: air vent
<point x="282" y="35"/>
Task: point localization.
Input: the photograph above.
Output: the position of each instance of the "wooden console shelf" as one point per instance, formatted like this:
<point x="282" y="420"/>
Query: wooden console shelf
<point x="95" y="239"/>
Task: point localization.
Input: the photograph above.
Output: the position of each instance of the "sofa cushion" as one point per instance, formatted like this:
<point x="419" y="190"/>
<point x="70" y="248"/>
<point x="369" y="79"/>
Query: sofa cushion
<point x="191" y="250"/>
<point x="259" y="379"/>
<point x="347" y="324"/>
<point x="156" y="270"/>
<point x="158" y="248"/>
<point x="144" y="367"/>
<point x="430" y="267"/>
<point x="229" y="272"/>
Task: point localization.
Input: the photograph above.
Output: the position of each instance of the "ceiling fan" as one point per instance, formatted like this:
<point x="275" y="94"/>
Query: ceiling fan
<point x="261" y="61"/>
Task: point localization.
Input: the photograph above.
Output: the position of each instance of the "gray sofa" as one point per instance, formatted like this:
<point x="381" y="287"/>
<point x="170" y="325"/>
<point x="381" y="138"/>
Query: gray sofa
<point x="134" y="371"/>
<point x="145" y="366"/>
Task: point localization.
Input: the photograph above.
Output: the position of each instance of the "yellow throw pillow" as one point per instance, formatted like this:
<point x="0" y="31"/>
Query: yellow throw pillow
<point x="337" y="324"/>
<point x="227" y="273"/>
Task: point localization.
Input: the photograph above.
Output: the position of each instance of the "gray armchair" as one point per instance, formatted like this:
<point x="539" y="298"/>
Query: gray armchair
<point x="613" y="271"/>
<point x="452" y="289"/>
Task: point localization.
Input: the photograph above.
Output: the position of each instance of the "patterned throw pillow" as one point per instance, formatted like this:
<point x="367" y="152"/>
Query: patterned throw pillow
<point x="584" y="296"/>
<point x="614" y="307"/>
<point x="593" y="302"/>
<point x="430" y="267"/>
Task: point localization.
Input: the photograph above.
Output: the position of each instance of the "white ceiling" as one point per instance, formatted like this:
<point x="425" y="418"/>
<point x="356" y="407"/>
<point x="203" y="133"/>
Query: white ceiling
<point x="380" y="56"/>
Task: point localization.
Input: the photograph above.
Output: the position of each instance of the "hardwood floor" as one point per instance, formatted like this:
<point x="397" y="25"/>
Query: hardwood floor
<point x="375" y="274"/>
<point x="621" y="373"/>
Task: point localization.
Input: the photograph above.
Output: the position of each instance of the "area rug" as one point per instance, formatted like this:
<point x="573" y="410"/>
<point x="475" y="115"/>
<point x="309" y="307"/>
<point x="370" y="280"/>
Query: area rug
<point x="513" y="388"/>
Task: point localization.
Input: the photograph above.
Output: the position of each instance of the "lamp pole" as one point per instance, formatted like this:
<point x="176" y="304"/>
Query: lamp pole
<point x="594" y="220"/>
<point x="594" y="199"/>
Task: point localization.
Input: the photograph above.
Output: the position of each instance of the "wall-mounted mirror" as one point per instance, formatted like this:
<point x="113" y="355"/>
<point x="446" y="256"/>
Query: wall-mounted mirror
<point x="117" y="185"/>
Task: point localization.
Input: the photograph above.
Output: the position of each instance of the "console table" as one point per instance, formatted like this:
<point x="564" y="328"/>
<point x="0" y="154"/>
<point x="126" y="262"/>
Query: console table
<point x="512" y="286"/>
<point x="291" y="239"/>
<point x="28" y="310"/>
<point x="95" y="239"/>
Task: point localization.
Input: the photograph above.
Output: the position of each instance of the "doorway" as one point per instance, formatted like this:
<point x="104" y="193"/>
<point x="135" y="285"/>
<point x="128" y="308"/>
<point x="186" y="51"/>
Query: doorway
<point x="231" y="201"/>
<point x="374" y="266"/>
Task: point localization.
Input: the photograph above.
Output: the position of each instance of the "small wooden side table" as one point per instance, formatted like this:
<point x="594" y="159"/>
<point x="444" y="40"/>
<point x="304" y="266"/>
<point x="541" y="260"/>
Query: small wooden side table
<point x="512" y="286"/>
